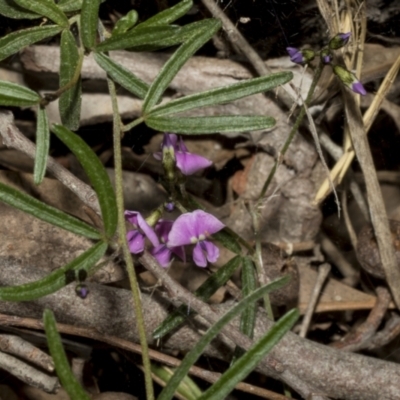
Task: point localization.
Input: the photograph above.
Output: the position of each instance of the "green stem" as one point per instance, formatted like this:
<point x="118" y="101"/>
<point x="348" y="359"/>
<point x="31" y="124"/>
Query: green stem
<point x="122" y="239"/>
<point x="132" y="124"/>
<point x="299" y="120"/>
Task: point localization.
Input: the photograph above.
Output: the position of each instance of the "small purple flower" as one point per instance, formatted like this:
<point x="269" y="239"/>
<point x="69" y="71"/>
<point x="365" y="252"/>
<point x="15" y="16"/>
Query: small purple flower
<point x="295" y="55"/>
<point x="349" y="79"/>
<point x="339" y="40"/>
<point x="81" y="290"/>
<point x="136" y="237"/>
<point x="163" y="253"/>
<point x="169" y="206"/>
<point x="195" y="228"/>
<point x="187" y="163"/>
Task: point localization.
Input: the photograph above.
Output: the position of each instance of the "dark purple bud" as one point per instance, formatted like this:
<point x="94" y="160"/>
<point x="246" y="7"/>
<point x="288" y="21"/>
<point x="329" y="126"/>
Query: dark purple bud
<point x="170" y="206"/>
<point x="339" y="40"/>
<point x="349" y="79"/>
<point x="300" y="56"/>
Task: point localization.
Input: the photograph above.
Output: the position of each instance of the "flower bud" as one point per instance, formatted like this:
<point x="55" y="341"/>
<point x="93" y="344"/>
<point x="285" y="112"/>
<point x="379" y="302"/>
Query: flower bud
<point x="326" y="56"/>
<point x="340" y="40"/>
<point x="300" y="56"/>
<point x="349" y="79"/>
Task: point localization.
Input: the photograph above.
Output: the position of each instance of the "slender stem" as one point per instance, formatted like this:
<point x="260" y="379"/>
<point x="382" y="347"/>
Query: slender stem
<point x="122" y="239"/>
<point x="132" y="124"/>
<point x="295" y="127"/>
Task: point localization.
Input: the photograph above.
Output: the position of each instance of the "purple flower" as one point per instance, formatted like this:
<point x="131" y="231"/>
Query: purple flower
<point x="195" y="228"/>
<point x="295" y="55"/>
<point x="339" y="40"/>
<point x="300" y="56"/>
<point x="187" y="163"/>
<point x="136" y="237"/>
<point x="349" y="79"/>
<point x="162" y="252"/>
<point x="81" y="290"/>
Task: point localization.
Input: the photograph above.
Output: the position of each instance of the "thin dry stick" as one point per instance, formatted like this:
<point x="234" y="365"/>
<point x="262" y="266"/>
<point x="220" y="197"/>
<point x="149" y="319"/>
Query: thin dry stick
<point x="323" y="272"/>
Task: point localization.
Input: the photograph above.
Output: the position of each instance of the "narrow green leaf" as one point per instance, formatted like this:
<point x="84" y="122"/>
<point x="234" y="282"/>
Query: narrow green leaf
<point x="16" y="41"/>
<point x="122" y="76"/>
<point x="64" y="372"/>
<point x="197" y="351"/>
<point x="163" y="36"/>
<point x="89" y="21"/>
<point x="187" y="388"/>
<point x="126" y="22"/>
<point x="205" y="125"/>
<point x="56" y="279"/>
<point x="10" y="9"/>
<point x="249" y="285"/>
<point x="169" y="15"/>
<point x="12" y="94"/>
<point x="42" y="145"/>
<point x="244" y="365"/>
<point x="223" y="94"/>
<point x="228" y="241"/>
<point x="205" y="31"/>
<point x="45" y="212"/>
<point x="45" y="8"/>
<point x="96" y="173"/>
<point x="70" y="5"/>
<point x="70" y="101"/>
<point x="204" y="292"/>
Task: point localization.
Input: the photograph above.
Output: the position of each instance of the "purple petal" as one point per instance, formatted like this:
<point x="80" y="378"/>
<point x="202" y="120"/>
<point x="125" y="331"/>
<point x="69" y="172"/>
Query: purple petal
<point x="181" y="146"/>
<point x="158" y="155"/>
<point x="169" y="206"/>
<point x="135" y="241"/>
<point x="345" y="36"/>
<point x="211" y="250"/>
<point x="162" y="254"/>
<point x="162" y="229"/>
<point x="180" y="252"/>
<point x="147" y="230"/>
<point x="199" y="257"/>
<point x="327" y="59"/>
<point x="357" y="87"/>
<point x="183" y="231"/>
<point x="189" y="163"/>
<point x="295" y="55"/>
<point x="132" y="217"/>
<point x="169" y="141"/>
<point x="206" y="224"/>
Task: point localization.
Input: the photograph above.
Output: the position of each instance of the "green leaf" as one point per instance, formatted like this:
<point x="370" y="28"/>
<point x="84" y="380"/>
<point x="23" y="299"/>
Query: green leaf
<point x="45" y="212"/>
<point x="45" y="8"/>
<point x="205" y="125"/>
<point x="223" y="94"/>
<point x="96" y="173"/>
<point x="64" y="373"/>
<point x="16" y="41"/>
<point x="169" y="15"/>
<point x="12" y="94"/>
<point x="198" y="349"/>
<point x="42" y="145"/>
<point x="249" y="285"/>
<point x="187" y="388"/>
<point x="244" y="365"/>
<point x="204" y="292"/>
<point x="10" y="9"/>
<point x="89" y="21"/>
<point x="205" y="30"/>
<point x="70" y="101"/>
<point x="56" y="279"/>
<point x="163" y="36"/>
<point x="228" y="241"/>
<point x="70" y="5"/>
<point x="122" y="76"/>
<point x="126" y="22"/>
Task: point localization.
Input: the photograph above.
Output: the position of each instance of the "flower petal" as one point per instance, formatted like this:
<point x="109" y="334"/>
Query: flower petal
<point x="162" y="254"/>
<point x="135" y="241"/>
<point x="211" y="250"/>
<point x="162" y="229"/>
<point x="131" y="217"/>
<point x="147" y="230"/>
<point x="357" y="87"/>
<point x="199" y="257"/>
<point x="189" y="163"/>
<point x="206" y="224"/>
<point x="182" y="231"/>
